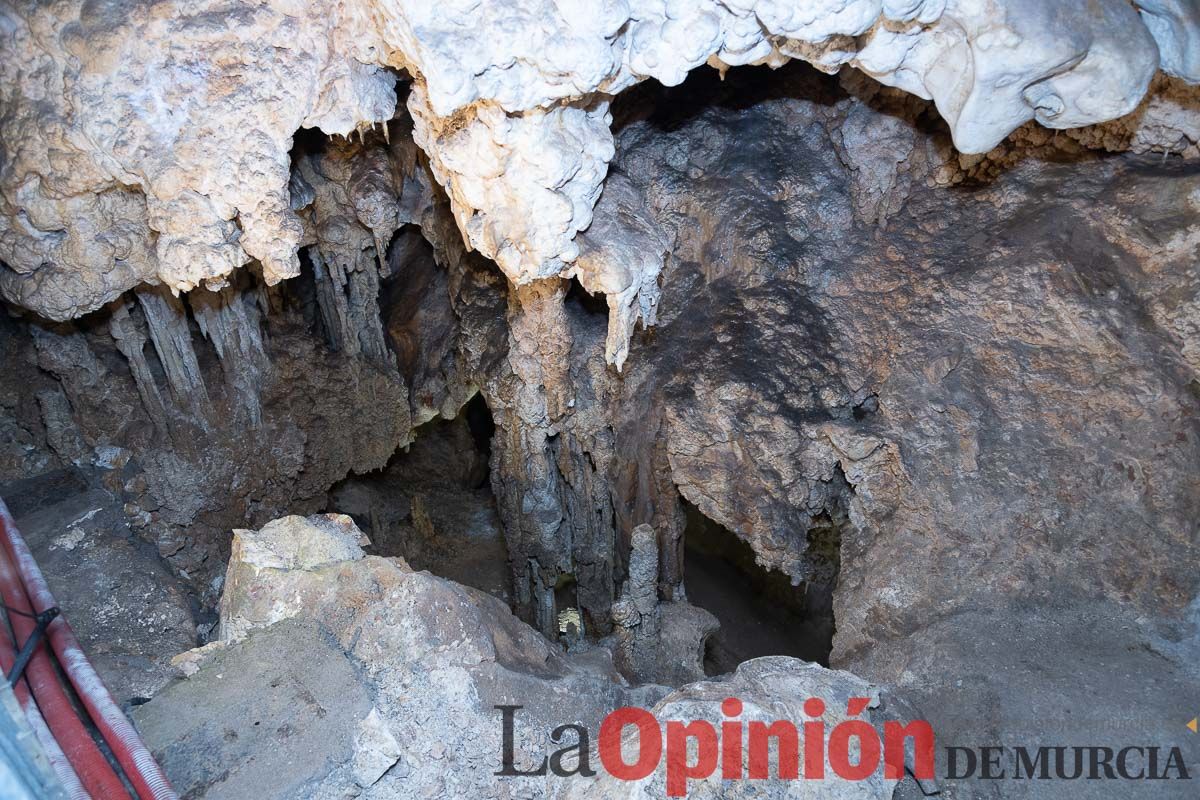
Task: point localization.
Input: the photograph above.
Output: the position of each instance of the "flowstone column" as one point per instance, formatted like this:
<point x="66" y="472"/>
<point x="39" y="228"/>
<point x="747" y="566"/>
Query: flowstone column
<point x="550" y="464"/>
<point x="529" y="404"/>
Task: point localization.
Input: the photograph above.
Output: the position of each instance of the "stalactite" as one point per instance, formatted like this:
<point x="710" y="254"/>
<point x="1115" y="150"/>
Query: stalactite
<point x="230" y="320"/>
<point x="349" y="303"/>
<point x="131" y="341"/>
<point x="331" y="299"/>
<point x="624" y="240"/>
<point x="373" y="191"/>
<point x="270" y="299"/>
<point x="353" y="209"/>
<point x="167" y="320"/>
<point x="63" y="352"/>
<point x="363" y="288"/>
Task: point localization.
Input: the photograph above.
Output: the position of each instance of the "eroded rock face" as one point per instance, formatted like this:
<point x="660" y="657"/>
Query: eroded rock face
<point x="999" y="387"/>
<point x="770" y="689"/>
<point x="804" y="346"/>
<point x="288" y="545"/>
<point x="225" y="409"/>
<point x="292" y="708"/>
<point x="980" y="368"/>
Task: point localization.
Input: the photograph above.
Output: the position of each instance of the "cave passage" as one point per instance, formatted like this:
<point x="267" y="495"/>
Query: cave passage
<point x="760" y="611"/>
<point x="483" y="428"/>
<point x="433" y="505"/>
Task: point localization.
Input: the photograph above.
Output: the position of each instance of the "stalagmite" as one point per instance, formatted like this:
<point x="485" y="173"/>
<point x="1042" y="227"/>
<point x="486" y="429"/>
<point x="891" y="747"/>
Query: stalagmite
<point x="636" y="614"/>
<point x="525" y="473"/>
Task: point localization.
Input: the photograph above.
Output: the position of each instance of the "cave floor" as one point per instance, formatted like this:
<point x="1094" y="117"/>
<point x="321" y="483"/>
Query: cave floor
<point x="131" y="614"/>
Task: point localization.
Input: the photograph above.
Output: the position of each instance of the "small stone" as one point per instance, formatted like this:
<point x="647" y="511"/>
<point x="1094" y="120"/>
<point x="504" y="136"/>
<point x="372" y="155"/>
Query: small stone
<point x="375" y="750"/>
<point x="189" y="662"/>
<point x="294" y="542"/>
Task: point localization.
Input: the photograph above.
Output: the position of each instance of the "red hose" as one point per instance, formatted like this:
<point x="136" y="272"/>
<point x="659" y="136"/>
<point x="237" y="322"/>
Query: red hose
<point x="57" y="758"/>
<point x="135" y="759"/>
<point x="54" y="754"/>
<point x="93" y="768"/>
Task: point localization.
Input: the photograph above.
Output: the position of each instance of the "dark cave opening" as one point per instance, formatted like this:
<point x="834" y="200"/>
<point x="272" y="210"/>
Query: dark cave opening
<point x="761" y="613"/>
<point x="566" y="602"/>
<point x="482" y="426"/>
<point x="739" y="89"/>
<point x="592" y="304"/>
<point x="433" y="506"/>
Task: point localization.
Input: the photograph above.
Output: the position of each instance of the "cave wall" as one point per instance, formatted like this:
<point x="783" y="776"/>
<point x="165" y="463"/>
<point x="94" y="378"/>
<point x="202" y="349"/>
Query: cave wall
<point x="821" y="315"/>
<point x="1005" y="373"/>
<point x="840" y="329"/>
<point x="815" y="300"/>
<point x="215" y="410"/>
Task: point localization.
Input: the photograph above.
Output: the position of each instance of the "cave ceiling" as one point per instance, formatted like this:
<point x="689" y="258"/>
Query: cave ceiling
<point x="151" y="142"/>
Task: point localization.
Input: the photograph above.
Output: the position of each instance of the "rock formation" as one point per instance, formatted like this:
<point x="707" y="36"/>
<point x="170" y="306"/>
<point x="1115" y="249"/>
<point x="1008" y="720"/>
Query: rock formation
<point x="430" y="660"/>
<point x="153" y="147"/>
<point x="897" y="297"/>
<point x="365" y="676"/>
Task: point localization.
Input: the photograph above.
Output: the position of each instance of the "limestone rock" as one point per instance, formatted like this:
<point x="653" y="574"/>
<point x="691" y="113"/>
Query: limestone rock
<point x="375" y="750"/>
<point x="188" y="663"/>
<point x="656" y="641"/>
<point x="509" y="103"/>
<point x="268" y="717"/>
<point x="288" y="545"/>
<point x="295" y="543"/>
<point x="896" y="304"/>
<point x="769" y="689"/>
<point x="1175" y="26"/>
<point x="436" y="658"/>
